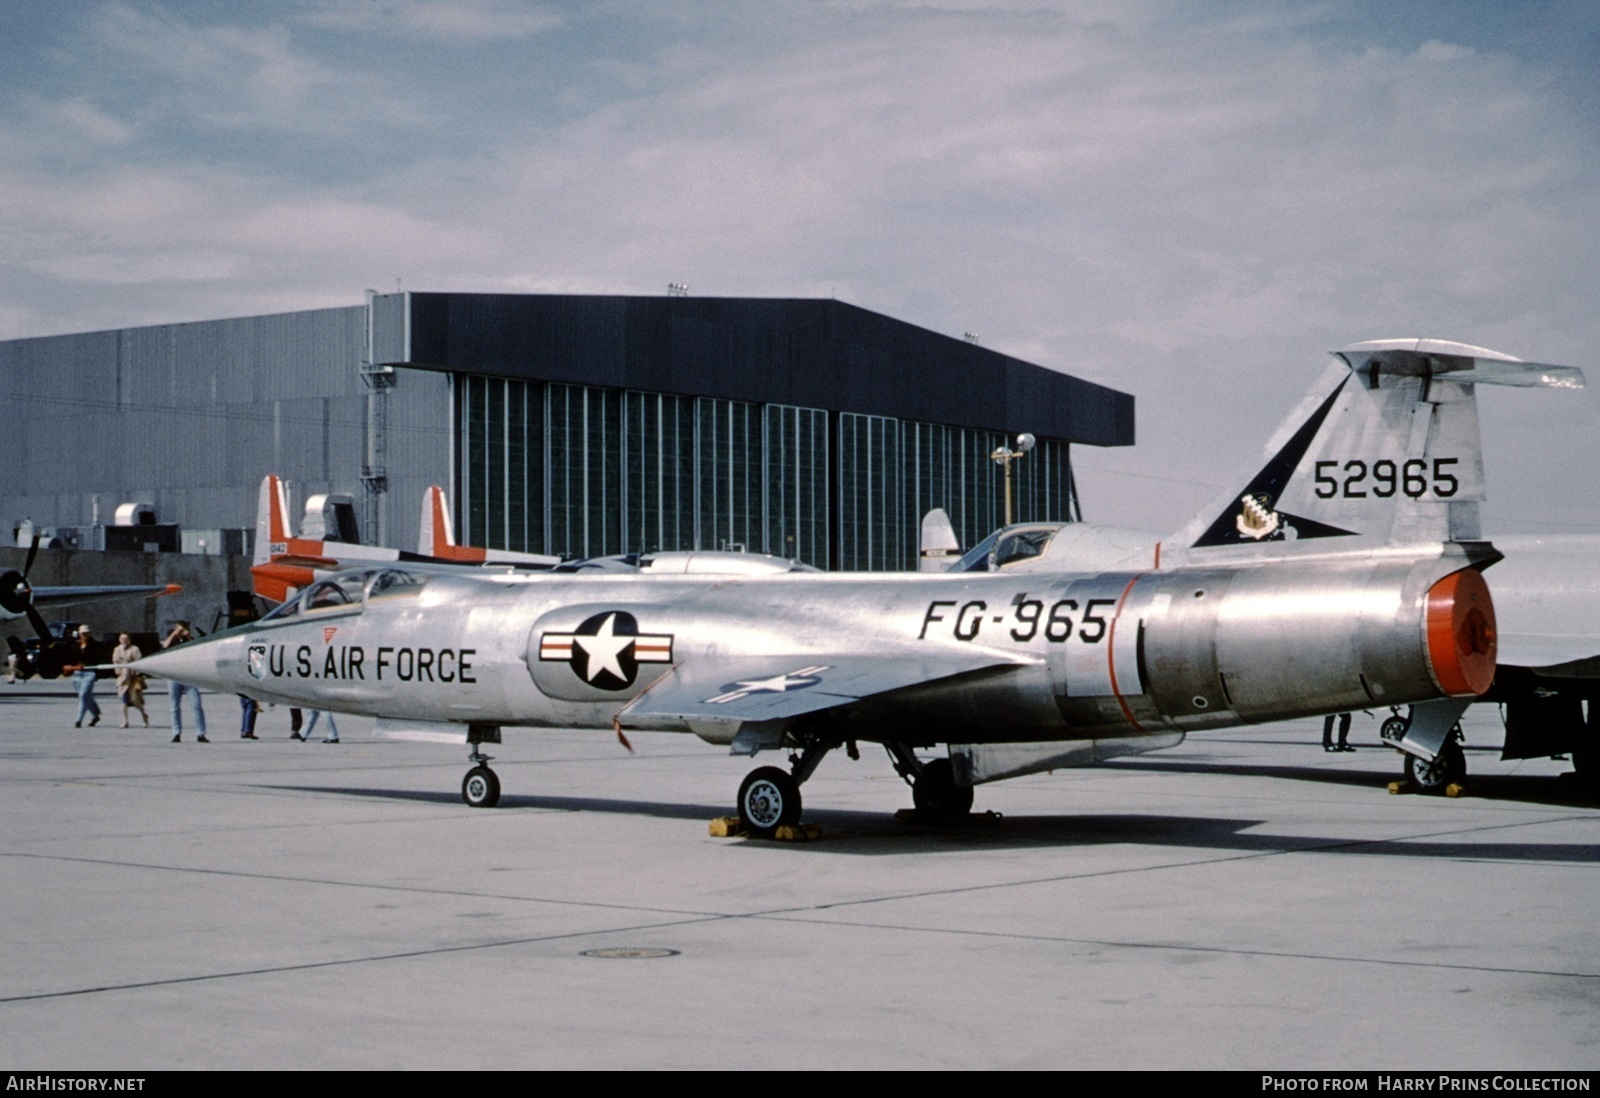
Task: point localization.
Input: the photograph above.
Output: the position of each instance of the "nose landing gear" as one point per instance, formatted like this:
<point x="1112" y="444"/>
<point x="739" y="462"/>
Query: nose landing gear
<point x="481" y="786"/>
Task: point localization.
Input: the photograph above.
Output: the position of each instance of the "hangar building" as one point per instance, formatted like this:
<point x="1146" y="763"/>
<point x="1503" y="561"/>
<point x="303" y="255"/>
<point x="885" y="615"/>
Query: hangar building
<point x="564" y="424"/>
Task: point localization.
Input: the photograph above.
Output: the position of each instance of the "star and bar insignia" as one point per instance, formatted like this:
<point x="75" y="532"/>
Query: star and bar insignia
<point x="777" y="684"/>
<point x="607" y="649"/>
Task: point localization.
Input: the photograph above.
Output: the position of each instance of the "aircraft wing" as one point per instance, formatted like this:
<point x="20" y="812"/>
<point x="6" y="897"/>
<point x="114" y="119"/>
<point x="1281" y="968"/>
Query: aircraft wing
<point x="1547" y="599"/>
<point x="768" y="688"/>
<point x="63" y="596"/>
<point x="1542" y="652"/>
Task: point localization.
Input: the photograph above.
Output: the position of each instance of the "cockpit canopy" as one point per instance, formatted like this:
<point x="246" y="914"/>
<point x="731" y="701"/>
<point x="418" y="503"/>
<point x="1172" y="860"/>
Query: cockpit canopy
<point x="348" y="591"/>
<point x="1059" y="547"/>
<point x="1008" y="546"/>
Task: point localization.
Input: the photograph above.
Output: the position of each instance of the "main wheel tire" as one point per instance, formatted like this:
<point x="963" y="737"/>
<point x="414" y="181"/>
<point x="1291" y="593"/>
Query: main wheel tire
<point x="481" y="788"/>
<point x="936" y="794"/>
<point x="769" y="798"/>
<point x="1448" y="766"/>
<point x="1394" y="729"/>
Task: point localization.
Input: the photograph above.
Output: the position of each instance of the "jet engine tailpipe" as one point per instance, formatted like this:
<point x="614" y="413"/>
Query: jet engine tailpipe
<point x="1461" y="633"/>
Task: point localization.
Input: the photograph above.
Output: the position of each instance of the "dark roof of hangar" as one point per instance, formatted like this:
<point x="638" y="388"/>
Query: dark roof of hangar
<point x="814" y="352"/>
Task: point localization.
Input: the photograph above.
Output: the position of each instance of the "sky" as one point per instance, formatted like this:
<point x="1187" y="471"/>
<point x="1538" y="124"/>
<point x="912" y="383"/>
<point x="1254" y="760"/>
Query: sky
<point x="1189" y="201"/>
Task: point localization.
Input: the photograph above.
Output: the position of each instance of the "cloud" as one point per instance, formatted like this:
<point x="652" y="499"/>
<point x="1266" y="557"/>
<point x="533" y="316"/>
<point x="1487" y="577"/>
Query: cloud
<point x="86" y="120"/>
<point x="458" y="22"/>
<point x="1188" y="205"/>
<point x="194" y="78"/>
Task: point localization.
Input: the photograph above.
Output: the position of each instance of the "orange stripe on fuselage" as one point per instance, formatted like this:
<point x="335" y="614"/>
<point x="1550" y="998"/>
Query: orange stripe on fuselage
<point x="1111" y="653"/>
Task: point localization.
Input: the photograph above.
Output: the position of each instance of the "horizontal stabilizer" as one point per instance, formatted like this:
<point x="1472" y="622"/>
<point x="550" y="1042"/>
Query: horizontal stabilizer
<point x="1457" y="362"/>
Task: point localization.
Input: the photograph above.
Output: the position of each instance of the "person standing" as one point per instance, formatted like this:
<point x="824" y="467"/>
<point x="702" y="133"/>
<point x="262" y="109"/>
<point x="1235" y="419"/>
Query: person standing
<point x="248" y="709"/>
<point x="176" y="690"/>
<point x="1344" y="733"/>
<point x="130" y="683"/>
<point x="333" y="729"/>
<point x="81" y="666"/>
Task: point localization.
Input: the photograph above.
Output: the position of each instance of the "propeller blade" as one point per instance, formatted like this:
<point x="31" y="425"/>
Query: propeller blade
<point x="40" y="626"/>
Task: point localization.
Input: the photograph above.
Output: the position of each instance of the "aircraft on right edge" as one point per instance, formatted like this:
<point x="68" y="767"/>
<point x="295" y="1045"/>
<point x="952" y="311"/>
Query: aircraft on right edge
<point x="1345" y="574"/>
<point x="1546" y="599"/>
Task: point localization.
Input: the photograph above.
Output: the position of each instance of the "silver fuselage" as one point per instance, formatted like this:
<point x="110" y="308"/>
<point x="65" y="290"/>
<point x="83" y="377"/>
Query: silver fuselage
<point x="1062" y="656"/>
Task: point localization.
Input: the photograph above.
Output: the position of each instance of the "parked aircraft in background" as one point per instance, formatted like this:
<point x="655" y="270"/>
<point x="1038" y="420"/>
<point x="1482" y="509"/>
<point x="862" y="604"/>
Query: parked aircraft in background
<point x="20" y="599"/>
<point x="16" y="594"/>
<point x="1547" y="592"/>
<point x="1344" y="574"/>
<point x="284" y="564"/>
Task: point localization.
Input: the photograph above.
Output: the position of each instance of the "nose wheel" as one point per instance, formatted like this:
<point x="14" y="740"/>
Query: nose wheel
<point x="481" y="787"/>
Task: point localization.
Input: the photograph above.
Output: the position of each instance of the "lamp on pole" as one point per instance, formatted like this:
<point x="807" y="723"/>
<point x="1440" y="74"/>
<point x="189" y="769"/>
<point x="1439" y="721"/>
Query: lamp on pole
<point x="1004" y="455"/>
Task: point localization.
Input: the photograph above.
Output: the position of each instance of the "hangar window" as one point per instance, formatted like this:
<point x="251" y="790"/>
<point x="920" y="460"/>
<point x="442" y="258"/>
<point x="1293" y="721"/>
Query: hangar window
<point x="583" y="471"/>
<point x="872" y="527"/>
<point x="728" y="462"/>
<point x="797" y="484"/>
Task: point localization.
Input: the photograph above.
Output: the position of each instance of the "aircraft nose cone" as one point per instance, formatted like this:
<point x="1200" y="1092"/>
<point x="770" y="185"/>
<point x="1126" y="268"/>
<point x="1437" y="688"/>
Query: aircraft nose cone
<point x="194" y="663"/>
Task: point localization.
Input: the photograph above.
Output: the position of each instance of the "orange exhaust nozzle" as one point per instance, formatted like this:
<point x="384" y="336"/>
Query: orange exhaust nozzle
<point x="1461" y="633"/>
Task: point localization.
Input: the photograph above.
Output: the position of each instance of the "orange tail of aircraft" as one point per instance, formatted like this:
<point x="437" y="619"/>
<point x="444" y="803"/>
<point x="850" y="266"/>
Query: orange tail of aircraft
<point x="437" y="537"/>
<point x="284" y="563"/>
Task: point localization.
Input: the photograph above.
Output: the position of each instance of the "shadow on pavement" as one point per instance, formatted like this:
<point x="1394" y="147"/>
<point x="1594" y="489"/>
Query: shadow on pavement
<point x="877" y="833"/>
<point x="1561" y="789"/>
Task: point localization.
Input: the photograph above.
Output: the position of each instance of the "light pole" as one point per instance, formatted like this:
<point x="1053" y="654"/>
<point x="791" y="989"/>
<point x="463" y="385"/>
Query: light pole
<point x="1004" y="455"/>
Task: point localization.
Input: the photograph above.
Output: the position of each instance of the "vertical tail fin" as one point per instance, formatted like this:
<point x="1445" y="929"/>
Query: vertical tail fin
<point x="437" y="531"/>
<point x="1383" y="452"/>
<point x="437" y="536"/>
<point x="272" y="522"/>
<point x="940" y="546"/>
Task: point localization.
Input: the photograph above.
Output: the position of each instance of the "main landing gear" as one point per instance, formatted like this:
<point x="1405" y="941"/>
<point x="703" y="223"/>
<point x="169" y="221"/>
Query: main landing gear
<point x="1446" y="768"/>
<point x="934" y="790"/>
<point x="769" y="798"/>
<point x="1433" y="775"/>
